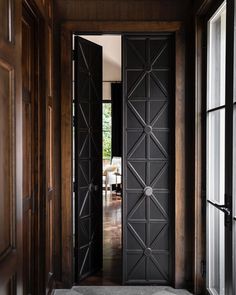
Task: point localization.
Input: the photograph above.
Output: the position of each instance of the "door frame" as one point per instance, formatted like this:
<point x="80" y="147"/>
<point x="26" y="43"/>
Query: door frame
<point x="38" y="217"/>
<point x="207" y="8"/>
<point x="122" y="27"/>
<point x="29" y="14"/>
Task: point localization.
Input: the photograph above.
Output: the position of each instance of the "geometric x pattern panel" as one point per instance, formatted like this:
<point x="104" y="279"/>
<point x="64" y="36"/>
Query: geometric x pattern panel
<point x="148" y="68"/>
<point x="88" y="157"/>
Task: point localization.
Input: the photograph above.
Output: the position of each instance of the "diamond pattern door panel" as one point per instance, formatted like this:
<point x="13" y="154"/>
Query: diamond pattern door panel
<point x="88" y="158"/>
<point x="148" y="200"/>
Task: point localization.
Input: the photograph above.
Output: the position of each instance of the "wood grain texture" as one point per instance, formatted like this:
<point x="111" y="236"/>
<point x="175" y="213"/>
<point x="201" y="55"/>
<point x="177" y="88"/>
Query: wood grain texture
<point x="51" y="235"/>
<point x="180" y="173"/>
<point x="11" y="149"/>
<point x="10" y="53"/>
<point x="121" y="27"/>
<point x="121" y="10"/>
<point x="41" y="264"/>
<point x="199" y="231"/>
<point x="66" y="161"/>
<point x="30" y="150"/>
<point x="7" y="216"/>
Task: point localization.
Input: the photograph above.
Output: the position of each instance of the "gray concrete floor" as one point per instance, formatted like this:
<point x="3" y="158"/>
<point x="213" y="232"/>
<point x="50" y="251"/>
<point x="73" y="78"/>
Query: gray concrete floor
<point x="121" y="290"/>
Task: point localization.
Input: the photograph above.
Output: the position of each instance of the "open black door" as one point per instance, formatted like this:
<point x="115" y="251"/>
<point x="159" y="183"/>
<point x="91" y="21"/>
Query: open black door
<point x="88" y="157"/>
<point x="148" y="164"/>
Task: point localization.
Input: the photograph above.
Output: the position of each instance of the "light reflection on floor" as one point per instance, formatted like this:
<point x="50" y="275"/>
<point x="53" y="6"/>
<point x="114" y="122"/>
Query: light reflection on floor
<point x="112" y="263"/>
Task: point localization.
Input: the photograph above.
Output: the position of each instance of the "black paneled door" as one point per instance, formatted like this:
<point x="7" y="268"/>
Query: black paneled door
<point x="148" y="71"/>
<point x="88" y="157"/>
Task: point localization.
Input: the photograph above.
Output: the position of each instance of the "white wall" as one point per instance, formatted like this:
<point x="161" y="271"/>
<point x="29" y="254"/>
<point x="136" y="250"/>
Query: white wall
<point x="111" y="45"/>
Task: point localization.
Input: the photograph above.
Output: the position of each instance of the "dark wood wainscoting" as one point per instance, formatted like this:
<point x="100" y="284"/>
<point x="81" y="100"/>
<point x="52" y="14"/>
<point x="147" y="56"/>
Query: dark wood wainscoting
<point x="38" y="147"/>
<point x="30" y="101"/>
<point x="10" y="149"/>
<point x="27" y="145"/>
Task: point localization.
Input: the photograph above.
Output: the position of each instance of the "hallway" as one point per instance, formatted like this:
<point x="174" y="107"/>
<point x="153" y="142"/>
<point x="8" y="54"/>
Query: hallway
<point x="137" y="95"/>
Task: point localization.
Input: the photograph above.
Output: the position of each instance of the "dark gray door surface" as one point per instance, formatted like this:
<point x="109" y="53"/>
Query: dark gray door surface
<point x="148" y="72"/>
<point x="88" y="158"/>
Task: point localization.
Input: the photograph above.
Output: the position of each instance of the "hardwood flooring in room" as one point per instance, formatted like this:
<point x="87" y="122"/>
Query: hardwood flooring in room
<point x="111" y="273"/>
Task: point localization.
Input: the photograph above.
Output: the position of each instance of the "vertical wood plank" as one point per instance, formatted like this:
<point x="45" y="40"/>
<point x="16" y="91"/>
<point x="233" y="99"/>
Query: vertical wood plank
<point x="199" y="239"/>
<point x="66" y="158"/>
<point x="180" y="194"/>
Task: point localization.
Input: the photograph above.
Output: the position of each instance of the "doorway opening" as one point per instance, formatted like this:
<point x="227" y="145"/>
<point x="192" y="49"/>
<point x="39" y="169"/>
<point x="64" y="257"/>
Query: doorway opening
<point x="148" y="165"/>
<point x="101" y="123"/>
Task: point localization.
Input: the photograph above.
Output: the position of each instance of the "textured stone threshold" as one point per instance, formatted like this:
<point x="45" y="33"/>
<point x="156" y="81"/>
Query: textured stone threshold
<point x="121" y="290"/>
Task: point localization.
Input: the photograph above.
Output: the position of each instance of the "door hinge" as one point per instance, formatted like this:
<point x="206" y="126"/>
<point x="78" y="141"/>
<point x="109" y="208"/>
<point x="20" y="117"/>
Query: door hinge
<point x="203" y="268"/>
<point x="74" y="187"/>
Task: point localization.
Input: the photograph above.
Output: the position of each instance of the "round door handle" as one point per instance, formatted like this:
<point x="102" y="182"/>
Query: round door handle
<point x="91" y="187"/>
<point x="234" y="218"/>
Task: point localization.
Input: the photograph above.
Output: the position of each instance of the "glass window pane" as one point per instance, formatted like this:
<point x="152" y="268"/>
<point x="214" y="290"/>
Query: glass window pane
<point x="106" y="122"/>
<point x="216" y="58"/>
<point x="234" y="160"/>
<point x="216" y="156"/>
<point x="216" y="251"/>
<point x="234" y="197"/>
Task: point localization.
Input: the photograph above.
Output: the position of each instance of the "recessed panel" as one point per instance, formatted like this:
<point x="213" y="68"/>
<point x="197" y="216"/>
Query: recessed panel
<point x="6" y="157"/>
<point x="88" y="157"/>
<point x="136" y="53"/>
<point x="26" y="55"/>
<point x="147" y="185"/>
<point x="9" y="288"/>
<point x="7" y="20"/>
<point x="27" y="153"/>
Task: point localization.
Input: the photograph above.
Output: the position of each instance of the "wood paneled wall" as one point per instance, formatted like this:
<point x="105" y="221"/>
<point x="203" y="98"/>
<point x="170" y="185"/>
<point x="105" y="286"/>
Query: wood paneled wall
<point x="12" y="132"/>
<point x="52" y="182"/>
<point x="122" y="10"/>
<point x="47" y="214"/>
<point x="10" y="149"/>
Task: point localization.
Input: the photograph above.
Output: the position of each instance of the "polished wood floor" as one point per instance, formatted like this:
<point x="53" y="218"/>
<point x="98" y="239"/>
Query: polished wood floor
<point x="111" y="274"/>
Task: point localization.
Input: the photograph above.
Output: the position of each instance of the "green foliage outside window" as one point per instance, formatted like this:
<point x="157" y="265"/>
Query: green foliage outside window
<point x="106" y="122"/>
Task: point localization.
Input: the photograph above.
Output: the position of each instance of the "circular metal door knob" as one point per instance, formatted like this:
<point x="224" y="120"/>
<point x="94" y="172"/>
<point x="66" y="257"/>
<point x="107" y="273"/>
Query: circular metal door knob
<point x="148" y="129"/>
<point x="148" y="191"/>
<point x="148" y="69"/>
